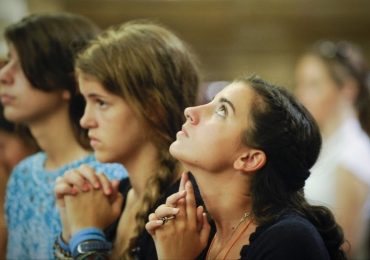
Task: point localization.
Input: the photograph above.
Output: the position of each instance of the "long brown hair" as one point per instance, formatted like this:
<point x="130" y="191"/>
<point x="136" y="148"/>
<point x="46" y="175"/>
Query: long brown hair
<point x="156" y="74"/>
<point x="47" y="45"/>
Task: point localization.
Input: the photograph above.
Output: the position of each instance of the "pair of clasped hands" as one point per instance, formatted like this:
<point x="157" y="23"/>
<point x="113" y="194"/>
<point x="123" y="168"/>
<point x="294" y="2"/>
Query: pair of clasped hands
<point x="179" y="228"/>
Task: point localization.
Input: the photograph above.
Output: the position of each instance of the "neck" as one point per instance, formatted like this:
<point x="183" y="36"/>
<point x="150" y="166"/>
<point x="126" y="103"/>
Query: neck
<point x="60" y="146"/>
<point x="141" y="165"/>
<point x="226" y="196"/>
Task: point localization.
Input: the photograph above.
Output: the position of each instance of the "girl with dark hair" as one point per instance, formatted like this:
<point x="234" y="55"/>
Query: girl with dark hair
<point x="137" y="79"/>
<point x="38" y="89"/>
<point x="250" y="151"/>
<point x="333" y="83"/>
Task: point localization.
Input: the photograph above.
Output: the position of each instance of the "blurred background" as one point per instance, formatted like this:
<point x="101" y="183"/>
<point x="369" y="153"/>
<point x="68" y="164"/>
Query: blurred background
<point x="230" y="37"/>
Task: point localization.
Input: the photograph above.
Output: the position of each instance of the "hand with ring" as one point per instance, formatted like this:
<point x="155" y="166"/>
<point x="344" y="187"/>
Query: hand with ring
<point x="179" y="218"/>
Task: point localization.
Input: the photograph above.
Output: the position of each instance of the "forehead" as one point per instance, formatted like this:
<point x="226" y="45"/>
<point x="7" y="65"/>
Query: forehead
<point x="88" y="83"/>
<point x="240" y="94"/>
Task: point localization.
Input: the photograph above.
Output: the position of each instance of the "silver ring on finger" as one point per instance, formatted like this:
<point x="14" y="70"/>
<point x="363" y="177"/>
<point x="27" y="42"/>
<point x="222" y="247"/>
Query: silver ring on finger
<point x="166" y="219"/>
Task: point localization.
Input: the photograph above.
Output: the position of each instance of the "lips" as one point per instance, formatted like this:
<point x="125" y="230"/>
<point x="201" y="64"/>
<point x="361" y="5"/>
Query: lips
<point x="93" y="141"/>
<point x="184" y="131"/>
<point x="6" y="99"/>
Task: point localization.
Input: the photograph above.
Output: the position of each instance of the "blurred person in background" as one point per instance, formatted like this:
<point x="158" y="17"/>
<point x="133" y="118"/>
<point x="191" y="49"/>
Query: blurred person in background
<point x="333" y="83"/>
<point x="38" y="89"/>
<point x="15" y="144"/>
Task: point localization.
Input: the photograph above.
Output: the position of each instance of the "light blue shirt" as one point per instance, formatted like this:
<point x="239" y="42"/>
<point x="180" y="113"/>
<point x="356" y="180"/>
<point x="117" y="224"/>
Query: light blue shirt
<point x="32" y="217"/>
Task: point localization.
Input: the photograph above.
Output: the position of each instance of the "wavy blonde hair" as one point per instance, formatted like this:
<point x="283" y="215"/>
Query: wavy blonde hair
<point x="156" y="73"/>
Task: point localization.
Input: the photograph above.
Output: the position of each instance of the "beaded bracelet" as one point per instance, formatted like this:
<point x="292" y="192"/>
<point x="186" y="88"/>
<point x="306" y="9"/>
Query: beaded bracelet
<point x="60" y="250"/>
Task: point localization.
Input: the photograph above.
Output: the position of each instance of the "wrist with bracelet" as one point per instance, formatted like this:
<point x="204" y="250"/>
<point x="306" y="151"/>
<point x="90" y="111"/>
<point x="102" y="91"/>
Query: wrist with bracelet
<point x="88" y="243"/>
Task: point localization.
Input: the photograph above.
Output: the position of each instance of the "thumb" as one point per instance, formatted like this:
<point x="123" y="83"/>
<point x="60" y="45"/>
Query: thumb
<point x="117" y="204"/>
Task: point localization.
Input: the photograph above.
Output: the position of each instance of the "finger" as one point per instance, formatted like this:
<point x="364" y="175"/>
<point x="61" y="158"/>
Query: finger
<point x="117" y="205"/>
<point x="115" y="190"/>
<point x="75" y="178"/>
<point x="152" y="217"/>
<point x="151" y="226"/>
<point x="90" y="174"/>
<point x="191" y="206"/>
<point x="105" y="183"/>
<point x="174" y="198"/>
<point x="184" y="179"/>
<point x="200" y="211"/>
<point x="61" y="189"/>
<point x="206" y="229"/>
<point x="164" y="211"/>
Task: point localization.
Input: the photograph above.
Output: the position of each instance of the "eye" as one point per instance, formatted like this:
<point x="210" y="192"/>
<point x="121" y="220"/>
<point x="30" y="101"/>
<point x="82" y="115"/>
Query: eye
<point x="101" y="103"/>
<point x="221" y="111"/>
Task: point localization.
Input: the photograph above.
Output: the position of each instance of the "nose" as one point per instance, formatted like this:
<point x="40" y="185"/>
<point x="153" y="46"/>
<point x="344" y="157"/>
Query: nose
<point x="5" y="75"/>
<point x="191" y="115"/>
<point x="88" y="121"/>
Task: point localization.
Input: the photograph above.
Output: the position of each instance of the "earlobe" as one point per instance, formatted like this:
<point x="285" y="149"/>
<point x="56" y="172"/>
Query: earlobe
<point x="250" y="161"/>
<point x="66" y="95"/>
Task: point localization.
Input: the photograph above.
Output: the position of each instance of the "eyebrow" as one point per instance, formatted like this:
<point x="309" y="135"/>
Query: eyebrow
<point x="225" y="100"/>
<point x="94" y="95"/>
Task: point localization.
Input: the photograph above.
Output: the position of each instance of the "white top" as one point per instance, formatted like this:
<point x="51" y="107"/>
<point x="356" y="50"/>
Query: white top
<point x="348" y="148"/>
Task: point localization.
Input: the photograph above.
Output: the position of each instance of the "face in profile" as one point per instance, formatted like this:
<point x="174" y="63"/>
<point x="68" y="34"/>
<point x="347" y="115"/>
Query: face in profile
<point x="116" y="134"/>
<point x="22" y="102"/>
<point x="211" y="137"/>
<point x="316" y="89"/>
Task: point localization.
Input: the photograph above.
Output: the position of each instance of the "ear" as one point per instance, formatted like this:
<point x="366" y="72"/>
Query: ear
<point x="350" y="90"/>
<point x="66" y="95"/>
<point x="250" y="161"/>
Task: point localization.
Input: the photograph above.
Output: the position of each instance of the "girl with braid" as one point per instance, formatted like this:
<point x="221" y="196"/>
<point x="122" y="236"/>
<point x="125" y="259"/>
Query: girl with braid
<point x="263" y="144"/>
<point x="137" y="79"/>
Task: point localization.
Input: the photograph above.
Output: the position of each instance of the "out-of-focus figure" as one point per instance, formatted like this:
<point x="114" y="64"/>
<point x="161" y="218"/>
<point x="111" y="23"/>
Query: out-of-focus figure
<point x="15" y="144"/>
<point x="332" y="82"/>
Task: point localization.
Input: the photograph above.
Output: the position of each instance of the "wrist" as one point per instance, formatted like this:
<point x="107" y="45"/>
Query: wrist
<point x="89" y="240"/>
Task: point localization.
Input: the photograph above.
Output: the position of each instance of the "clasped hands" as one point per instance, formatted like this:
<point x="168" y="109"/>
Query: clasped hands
<point x="86" y="199"/>
<point x="179" y="228"/>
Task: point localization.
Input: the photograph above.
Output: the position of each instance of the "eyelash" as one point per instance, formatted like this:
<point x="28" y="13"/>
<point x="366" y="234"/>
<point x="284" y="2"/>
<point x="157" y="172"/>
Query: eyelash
<point x="222" y="108"/>
<point x="101" y="103"/>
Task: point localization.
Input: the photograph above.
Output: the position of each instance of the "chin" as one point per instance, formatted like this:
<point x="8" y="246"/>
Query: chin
<point x="172" y="150"/>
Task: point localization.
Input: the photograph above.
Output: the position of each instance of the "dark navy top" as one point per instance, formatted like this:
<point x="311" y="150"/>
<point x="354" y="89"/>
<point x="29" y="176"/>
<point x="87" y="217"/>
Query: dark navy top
<point x="291" y="237"/>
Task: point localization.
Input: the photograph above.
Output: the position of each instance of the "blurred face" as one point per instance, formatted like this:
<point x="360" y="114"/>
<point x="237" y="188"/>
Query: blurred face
<point x="12" y="150"/>
<point x="316" y="89"/>
<point x="22" y="102"/>
<point x="211" y="136"/>
<point x="116" y="134"/>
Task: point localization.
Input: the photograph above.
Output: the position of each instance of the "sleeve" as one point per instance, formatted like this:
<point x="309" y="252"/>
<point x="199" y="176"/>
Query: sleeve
<point x="289" y="241"/>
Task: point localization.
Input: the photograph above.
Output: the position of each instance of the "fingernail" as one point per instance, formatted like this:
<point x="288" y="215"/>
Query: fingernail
<point x="159" y="222"/>
<point x="175" y="210"/>
<point x="86" y="187"/>
<point x="96" y="185"/>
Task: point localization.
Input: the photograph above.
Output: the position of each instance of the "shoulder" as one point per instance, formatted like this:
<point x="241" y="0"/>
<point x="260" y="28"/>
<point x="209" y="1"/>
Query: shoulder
<point x="33" y="161"/>
<point x="24" y="169"/>
<point x="290" y="237"/>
